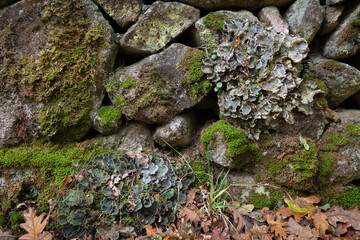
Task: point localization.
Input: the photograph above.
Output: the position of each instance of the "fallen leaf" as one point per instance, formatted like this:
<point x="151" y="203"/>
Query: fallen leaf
<point x="64" y="184"/>
<point x="320" y="222"/>
<point x="190" y="196"/>
<point x="338" y="214"/>
<point x="190" y="214"/>
<point x="305" y="234"/>
<point x="277" y="228"/>
<point x="261" y="232"/>
<point x="6" y="234"/>
<point x="341" y="228"/>
<point x="114" y="230"/>
<point x="34" y="226"/>
<point x="292" y="227"/>
<point x="238" y="218"/>
<point x="150" y="231"/>
<point x="216" y="235"/>
<point x="287" y="212"/>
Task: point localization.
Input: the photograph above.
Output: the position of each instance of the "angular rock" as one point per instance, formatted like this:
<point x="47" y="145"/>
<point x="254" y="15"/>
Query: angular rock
<point x="129" y="138"/>
<point x="107" y="120"/>
<point x="334" y="2"/>
<point x="178" y="132"/>
<point x="345" y="40"/>
<point x="272" y="17"/>
<point x="206" y="32"/>
<point x="54" y="58"/>
<point x="331" y="20"/>
<point x="305" y="17"/>
<point x="157" y="88"/>
<point x="160" y="24"/>
<point x="244" y="4"/>
<point x="341" y="79"/>
<point x="124" y="12"/>
<point x="340" y="150"/>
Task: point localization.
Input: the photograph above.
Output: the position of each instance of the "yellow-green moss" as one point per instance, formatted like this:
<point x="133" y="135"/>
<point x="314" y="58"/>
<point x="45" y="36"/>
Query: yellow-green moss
<point x="270" y="200"/>
<point x="325" y="166"/>
<point x="335" y="141"/>
<point x="238" y="142"/>
<point x="214" y="21"/>
<point x="129" y="82"/>
<point x="350" y="198"/>
<point x="16" y="218"/>
<point x="201" y="176"/>
<point x="275" y="168"/>
<point x="353" y="130"/>
<point x="109" y="115"/>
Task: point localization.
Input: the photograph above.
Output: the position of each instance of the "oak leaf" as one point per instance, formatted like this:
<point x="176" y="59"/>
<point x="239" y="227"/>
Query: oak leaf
<point x="293" y="227"/>
<point x="338" y="214"/>
<point x="150" y="231"/>
<point x="34" y="226"/>
<point x="191" y="214"/>
<point x="261" y="232"/>
<point x="320" y="222"/>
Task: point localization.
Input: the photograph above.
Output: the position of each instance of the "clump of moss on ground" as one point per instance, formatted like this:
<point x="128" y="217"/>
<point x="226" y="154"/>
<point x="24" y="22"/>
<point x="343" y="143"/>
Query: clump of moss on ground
<point x="201" y="175"/>
<point x="270" y="200"/>
<point x="350" y="198"/>
<point x="238" y="142"/>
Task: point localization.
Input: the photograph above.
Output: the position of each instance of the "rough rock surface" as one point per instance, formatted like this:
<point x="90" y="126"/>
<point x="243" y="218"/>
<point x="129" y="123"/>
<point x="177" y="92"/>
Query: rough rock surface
<point x="161" y="23"/>
<point x="340" y="150"/>
<point x="124" y="12"/>
<point x="130" y="137"/>
<point x="344" y="41"/>
<point x="42" y="90"/>
<point x="331" y="20"/>
<point x="157" y="88"/>
<point x="227" y="4"/>
<point x="178" y="132"/>
<point x="334" y="2"/>
<point x="341" y="79"/>
<point x="272" y="17"/>
<point x="206" y="31"/>
<point x="305" y="17"/>
<point x="5" y="3"/>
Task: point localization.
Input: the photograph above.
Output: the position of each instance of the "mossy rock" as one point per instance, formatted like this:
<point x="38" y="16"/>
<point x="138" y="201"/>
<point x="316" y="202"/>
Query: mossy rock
<point x="107" y="120"/>
<point x="228" y="146"/>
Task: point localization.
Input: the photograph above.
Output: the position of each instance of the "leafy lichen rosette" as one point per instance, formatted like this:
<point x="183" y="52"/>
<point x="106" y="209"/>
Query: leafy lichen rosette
<point x="258" y="70"/>
<point x="133" y="191"/>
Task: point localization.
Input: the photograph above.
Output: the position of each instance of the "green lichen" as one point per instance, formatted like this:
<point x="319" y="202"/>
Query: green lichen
<point x="335" y="141"/>
<point x="214" y="21"/>
<point x="325" y="166"/>
<point x="65" y="70"/>
<point x="350" y="198"/>
<point x="238" y="142"/>
<point x="109" y="116"/>
<point x="200" y="171"/>
<point x="195" y="82"/>
<point x="270" y="200"/>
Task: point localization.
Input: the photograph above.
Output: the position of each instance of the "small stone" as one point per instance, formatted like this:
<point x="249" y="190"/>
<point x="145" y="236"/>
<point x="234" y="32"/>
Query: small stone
<point x="107" y="120"/>
<point x="331" y="20"/>
<point x="272" y="17"/>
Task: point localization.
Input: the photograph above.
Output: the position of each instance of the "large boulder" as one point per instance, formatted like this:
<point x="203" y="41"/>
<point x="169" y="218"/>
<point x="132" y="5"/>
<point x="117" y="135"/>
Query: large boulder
<point x="228" y="4"/>
<point x="160" y="24"/>
<point x="157" y="88"/>
<point x="341" y="79"/>
<point x="124" y="12"/>
<point x="206" y="31"/>
<point x="305" y="18"/>
<point x="345" y="40"/>
<point x="55" y="56"/>
<point x="331" y="20"/>
<point x="272" y="17"/>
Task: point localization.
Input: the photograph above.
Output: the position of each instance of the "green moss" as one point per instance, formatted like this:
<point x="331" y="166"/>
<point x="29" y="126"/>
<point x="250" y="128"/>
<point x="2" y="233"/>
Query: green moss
<point x="353" y="130"/>
<point x="275" y="168"/>
<point x="237" y="140"/>
<point x="335" y="141"/>
<point x="270" y="200"/>
<point x="109" y="116"/>
<point x="16" y="219"/>
<point x="2" y="220"/>
<point x="333" y="65"/>
<point x="214" y="21"/>
<point x="350" y="198"/>
<point x="196" y="84"/>
<point x="350" y="33"/>
<point x="65" y="70"/>
<point x="325" y="167"/>
<point x="201" y="176"/>
<point x="129" y="82"/>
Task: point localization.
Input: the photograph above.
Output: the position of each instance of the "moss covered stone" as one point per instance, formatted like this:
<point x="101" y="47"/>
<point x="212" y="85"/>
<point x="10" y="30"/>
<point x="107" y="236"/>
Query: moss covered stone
<point x="214" y="21"/>
<point x="325" y="166"/>
<point x="239" y="148"/>
<point x="335" y="141"/>
<point x="109" y="116"/>
<point x="350" y="198"/>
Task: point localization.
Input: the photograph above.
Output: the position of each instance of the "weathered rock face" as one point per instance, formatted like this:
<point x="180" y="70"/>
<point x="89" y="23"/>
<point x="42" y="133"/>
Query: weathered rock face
<point x="43" y="91"/>
<point x="178" y="132"/>
<point x="344" y="41"/>
<point x="160" y="24"/>
<point x="124" y="12"/>
<point x="206" y="32"/>
<point x="305" y="18"/>
<point x="272" y="17"/>
<point x="340" y="150"/>
<point x="246" y="4"/>
<point x="159" y="87"/>
<point x="342" y="80"/>
<point x="334" y="2"/>
<point x="331" y="20"/>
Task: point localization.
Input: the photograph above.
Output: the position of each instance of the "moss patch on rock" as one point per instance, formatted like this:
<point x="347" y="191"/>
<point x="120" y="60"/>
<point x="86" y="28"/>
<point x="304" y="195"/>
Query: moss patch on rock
<point x="351" y="32"/>
<point x="109" y="116"/>
<point x="350" y="198"/>
<point x="269" y="199"/>
<point x="214" y="21"/>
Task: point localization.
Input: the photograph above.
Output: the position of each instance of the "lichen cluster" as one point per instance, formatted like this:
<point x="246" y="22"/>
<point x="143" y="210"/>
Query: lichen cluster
<point x="258" y="68"/>
<point x="134" y="190"/>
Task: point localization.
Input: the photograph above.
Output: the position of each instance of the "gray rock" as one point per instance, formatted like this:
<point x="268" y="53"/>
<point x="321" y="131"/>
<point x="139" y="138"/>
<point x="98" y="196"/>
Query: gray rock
<point x="124" y="12"/>
<point x="342" y="80"/>
<point x="129" y="138"/>
<point x="305" y="17"/>
<point x="157" y="88"/>
<point x="160" y="24"/>
<point x="340" y="150"/>
<point x="107" y="120"/>
<point x="334" y="2"/>
<point x="272" y="17"/>
<point x="244" y="4"/>
<point x="344" y="41"/>
<point x="331" y="20"/>
<point x="206" y="31"/>
<point x="52" y="87"/>
<point x="178" y="132"/>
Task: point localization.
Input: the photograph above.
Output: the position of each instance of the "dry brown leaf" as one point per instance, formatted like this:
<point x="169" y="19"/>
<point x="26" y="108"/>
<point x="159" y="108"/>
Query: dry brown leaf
<point x="190" y="196"/>
<point x="217" y="235"/>
<point x="34" y="226"/>
<point x="277" y="228"/>
<point x="306" y="234"/>
<point x="6" y="234"/>
<point x="64" y="185"/>
<point x="114" y="230"/>
<point x="261" y="232"/>
<point x="306" y="202"/>
<point x="190" y="213"/>
<point x="238" y="218"/>
<point x="341" y="228"/>
<point x="320" y="222"/>
<point x="293" y="227"/>
<point x="150" y="231"/>
<point x="338" y="214"/>
<point x="287" y="212"/>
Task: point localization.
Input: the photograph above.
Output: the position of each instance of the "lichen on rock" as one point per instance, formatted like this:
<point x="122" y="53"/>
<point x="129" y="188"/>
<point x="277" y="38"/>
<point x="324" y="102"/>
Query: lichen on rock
<point x="259" y="68"/>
